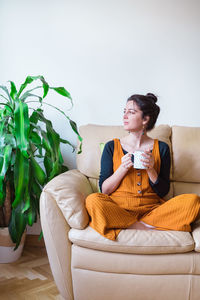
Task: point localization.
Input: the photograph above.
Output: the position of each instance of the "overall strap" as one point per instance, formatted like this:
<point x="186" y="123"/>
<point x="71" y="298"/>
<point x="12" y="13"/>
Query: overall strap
<point x="156" y="154"/>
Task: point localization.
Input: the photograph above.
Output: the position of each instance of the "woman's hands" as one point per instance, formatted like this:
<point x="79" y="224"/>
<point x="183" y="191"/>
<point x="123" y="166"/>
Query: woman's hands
<point x="148" y="160"/>
<point x="127" y="161"/>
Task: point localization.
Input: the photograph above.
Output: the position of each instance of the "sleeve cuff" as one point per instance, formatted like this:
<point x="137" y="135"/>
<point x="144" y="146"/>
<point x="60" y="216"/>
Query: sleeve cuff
<point x="153" y="184"/>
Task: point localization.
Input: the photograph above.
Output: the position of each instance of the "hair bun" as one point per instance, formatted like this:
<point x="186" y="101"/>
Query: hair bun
<point x="152" y="97"/>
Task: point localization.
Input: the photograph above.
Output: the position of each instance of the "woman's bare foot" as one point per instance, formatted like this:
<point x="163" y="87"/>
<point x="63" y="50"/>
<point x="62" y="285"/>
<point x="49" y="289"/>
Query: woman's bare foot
<point x="141" y="226"/>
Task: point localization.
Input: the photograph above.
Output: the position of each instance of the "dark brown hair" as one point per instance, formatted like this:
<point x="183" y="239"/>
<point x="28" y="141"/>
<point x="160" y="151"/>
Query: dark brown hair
<point x="148" y="106"/>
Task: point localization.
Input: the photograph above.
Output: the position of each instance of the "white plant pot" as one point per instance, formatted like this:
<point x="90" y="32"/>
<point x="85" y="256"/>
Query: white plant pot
<point x="7" y="253"/>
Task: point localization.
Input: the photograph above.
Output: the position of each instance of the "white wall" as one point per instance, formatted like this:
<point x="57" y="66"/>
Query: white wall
<point x="104" y="51"/>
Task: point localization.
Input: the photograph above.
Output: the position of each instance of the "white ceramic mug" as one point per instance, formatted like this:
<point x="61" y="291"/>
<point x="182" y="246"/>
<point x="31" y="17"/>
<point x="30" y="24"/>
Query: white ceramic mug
<point x="138" y="164"/>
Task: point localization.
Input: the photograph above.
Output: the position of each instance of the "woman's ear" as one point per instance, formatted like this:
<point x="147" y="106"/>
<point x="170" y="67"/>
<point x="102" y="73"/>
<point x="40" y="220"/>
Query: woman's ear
<point x="146" y="120"/>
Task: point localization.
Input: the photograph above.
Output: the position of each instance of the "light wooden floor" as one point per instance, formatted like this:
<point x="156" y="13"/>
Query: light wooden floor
<point x="29" y="278"/>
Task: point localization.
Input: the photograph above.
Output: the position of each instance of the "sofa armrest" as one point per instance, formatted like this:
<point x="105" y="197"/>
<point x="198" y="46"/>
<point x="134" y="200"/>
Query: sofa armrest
<point x="69" y="191"/>
<point x="61" y="207"/>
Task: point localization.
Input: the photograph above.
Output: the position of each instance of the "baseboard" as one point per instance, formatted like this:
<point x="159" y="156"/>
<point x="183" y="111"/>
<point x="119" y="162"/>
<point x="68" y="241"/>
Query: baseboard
<point x="33" y="241"/>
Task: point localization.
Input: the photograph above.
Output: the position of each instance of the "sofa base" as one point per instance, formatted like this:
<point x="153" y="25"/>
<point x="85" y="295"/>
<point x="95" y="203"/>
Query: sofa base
<point x="99" y="275"/>
<point x="90" y="285"/>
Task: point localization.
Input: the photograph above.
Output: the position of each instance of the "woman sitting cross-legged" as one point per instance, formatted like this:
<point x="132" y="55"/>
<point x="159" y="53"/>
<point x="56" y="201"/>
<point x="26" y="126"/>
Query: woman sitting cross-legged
<point x="133" y="198"/>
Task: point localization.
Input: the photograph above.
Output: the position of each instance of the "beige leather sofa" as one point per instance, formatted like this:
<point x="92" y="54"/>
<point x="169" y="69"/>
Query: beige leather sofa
<point x="141" y="264"/>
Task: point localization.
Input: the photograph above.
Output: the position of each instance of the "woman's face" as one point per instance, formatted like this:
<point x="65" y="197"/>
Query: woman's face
<point x="133" y="120"/>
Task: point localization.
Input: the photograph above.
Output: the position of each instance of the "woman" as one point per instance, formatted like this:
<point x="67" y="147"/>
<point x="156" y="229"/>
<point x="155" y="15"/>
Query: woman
<point x="132" y="197"/>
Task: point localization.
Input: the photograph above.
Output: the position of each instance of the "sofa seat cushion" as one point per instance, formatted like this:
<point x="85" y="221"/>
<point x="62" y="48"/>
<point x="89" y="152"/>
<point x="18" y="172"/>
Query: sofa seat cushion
<point x="135" y="241"/>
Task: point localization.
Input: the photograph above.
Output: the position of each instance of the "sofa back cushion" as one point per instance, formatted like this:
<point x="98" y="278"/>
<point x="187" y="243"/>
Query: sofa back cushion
<point x="186" y="153"/>
<point x="88" y="162"/>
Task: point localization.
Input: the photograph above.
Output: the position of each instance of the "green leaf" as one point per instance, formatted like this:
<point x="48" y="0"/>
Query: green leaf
<point x="34" y="117"/>
<point x="2" y="128"/>
<point x="29" y="91"/>
<point x="26" y="95"/>
<point x="52" y="137"/>
<point x="17" y="224"/>
<point x="29" y="79"/>
<point x="13" y="90"/>
<point x="40" y="236"/>
<point x="55" y="170"/>
<point x="61" y="161"/>
<point x="45" y="87"/>
<point x="68" y="143"/>
<point x="34" y="190"/>
<point x="48" y="164"/>
<point x="5" y="89"/>
<point x="7" y="106"/>
<point x="45" y="143"/>
<point x="4" y="164"/>
<point x="35" y="138"/>
<point x="21" y="177"/>
<point x="35" y="200"/>
<point x="74" y="128"/>
<point x="2" y="143"/>
<point x="27" y="200"/>
<point x="13" y="158"/>
<point x="4" y="98"/>
<point x="38" y="172"/>
<point x="39" y="156"/>
<point x="62" y="91"/>
<point x="22" y="126"/>
<point x="10" y="140"/>
<point x="31" y="213"/>
<point x="51" y="142"/>
<point x="64" y="169"/>
<point x="80" y="148"/>
<point x="35" y="187"/>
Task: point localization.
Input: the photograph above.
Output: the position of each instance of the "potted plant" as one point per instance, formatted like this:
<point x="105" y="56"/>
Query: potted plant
<point x="30" y="153"/>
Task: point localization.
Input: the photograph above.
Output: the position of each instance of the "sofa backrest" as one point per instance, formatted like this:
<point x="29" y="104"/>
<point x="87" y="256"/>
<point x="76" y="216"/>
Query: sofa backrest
<point x="88" y="162"/>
